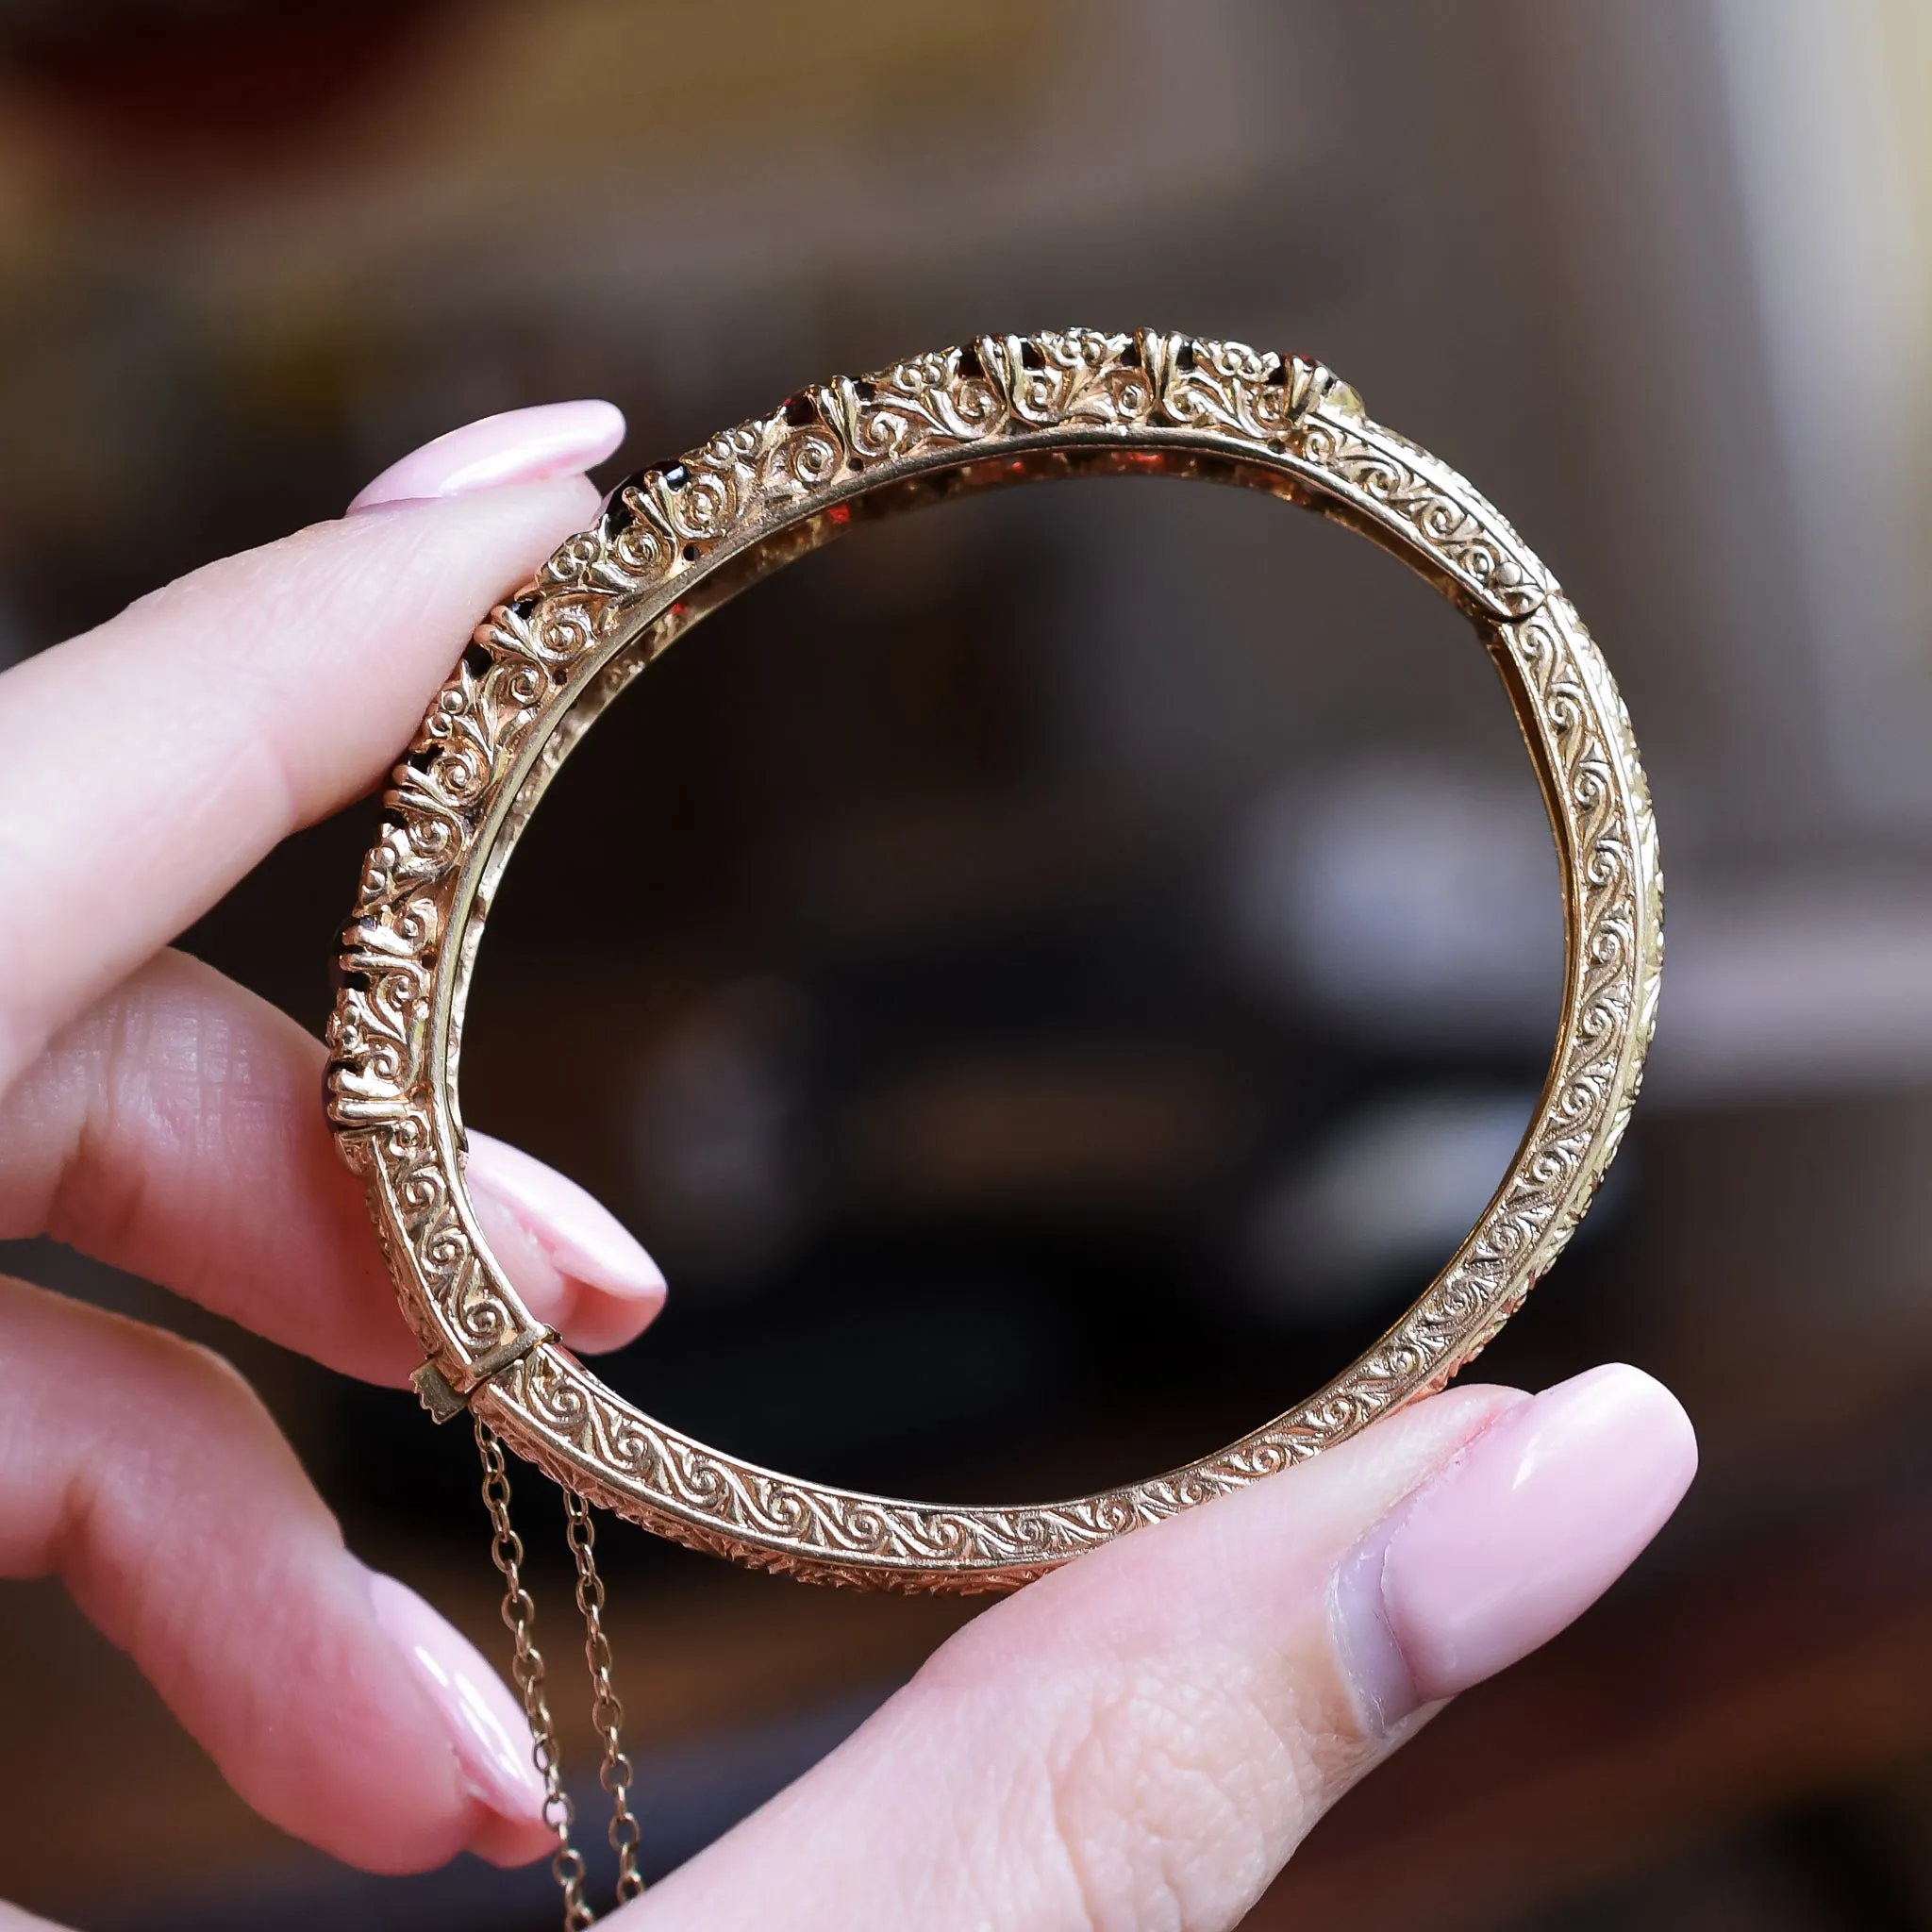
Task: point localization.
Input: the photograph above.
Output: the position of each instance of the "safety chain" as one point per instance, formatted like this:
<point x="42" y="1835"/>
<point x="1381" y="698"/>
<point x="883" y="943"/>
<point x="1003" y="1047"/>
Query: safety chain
<point x="520" y="1614"/>
<point x="606" y="1713"/>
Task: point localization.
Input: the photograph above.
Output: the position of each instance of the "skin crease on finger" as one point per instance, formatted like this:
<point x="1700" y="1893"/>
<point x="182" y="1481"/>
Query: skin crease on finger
<point x="146" y="1473"/>
<point x="173" y="1132"/>
<point x="1136" y="1741"/>
<point x="173" y="1127"/>
<point x="1139" y="1741"/>
<point x="289" y="677"/>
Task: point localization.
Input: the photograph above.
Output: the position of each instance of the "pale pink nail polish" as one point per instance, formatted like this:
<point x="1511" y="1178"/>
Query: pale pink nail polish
<point x="1517" y="1536"/>
<point x="579" y="1235"/>
<point x="490" y="1734"/>
<point x="519" y="446"/>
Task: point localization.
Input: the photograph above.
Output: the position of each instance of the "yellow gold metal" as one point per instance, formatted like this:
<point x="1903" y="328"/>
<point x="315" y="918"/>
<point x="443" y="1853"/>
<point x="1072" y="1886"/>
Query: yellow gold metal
<point x="606" y="1713"/>
<point x="443" y="1402"/>
<point x="676" y="542"/>
<point x="526" y="1667"/>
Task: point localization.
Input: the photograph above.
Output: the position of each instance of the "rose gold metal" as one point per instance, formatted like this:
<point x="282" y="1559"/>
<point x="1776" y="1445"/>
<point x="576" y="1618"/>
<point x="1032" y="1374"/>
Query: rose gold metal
<point x="676" y="542"/>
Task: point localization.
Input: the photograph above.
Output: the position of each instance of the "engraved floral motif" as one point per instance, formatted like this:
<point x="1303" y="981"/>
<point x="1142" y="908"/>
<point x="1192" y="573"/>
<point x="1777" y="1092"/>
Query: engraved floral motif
<point x="501" y="718"/>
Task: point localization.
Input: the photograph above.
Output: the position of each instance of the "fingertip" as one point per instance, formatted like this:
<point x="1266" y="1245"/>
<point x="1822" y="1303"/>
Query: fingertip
<point x="507" y="1843"/>
<point x="533" y="445"/>
<point x="1523" y="1531"/>
<point x="595" y="1323"/>
<point x="574" y="1263"/>
<point x="488" y="1731"/>
<point x="1650" y="1415"/>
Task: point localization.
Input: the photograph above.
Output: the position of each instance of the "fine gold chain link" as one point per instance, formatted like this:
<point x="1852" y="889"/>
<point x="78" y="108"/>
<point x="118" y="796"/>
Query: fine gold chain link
<point x="519" y="1616"/>
<point x="606" y="1713"/>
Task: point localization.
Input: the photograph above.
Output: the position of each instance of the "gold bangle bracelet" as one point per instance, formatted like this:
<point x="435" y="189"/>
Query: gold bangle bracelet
<point x="675" y="543"/>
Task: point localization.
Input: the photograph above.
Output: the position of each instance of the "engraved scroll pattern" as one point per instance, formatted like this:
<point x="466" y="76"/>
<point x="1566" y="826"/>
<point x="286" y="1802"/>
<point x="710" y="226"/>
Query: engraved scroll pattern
<point x="586" y="1436"/>
<point x="667" y="526"/>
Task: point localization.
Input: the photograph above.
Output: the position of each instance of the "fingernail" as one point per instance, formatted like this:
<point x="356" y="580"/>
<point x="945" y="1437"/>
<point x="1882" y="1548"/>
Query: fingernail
<point x="491" y="1738"/>
<point x="519" y="446"/>
<point x="1518" y="1536"/>
<point x="576" y="1233"/>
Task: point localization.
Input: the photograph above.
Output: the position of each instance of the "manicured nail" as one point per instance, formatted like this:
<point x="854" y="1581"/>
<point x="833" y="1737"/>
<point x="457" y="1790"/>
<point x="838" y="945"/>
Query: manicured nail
<point x="491" y="1738"/>
<point x="519" y="446"/>
<point x="1512" y="1541"/>
<point x="537" y="1221"/>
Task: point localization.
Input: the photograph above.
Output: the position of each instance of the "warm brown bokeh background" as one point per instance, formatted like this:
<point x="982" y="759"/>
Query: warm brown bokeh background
<point x="1016" y="930"/>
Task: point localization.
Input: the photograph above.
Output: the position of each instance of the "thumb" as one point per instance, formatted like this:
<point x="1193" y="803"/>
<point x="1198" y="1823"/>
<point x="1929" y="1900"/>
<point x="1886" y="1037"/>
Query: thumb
<point x="1142" y="1739"/>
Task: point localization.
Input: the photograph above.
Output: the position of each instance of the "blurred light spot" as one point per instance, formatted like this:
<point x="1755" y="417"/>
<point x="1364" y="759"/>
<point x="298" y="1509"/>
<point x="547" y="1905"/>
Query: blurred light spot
<point x="1415" y="903"/>
<point x="1390" y="1192"/>
<point x="1795" y="988"/>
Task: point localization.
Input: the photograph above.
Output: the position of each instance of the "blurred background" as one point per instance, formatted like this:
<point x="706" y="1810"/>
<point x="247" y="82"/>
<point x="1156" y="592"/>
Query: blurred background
<point x="1102" y="912"/>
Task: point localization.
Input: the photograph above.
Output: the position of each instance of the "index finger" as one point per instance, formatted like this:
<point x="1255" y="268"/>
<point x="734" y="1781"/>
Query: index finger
<point x="147" y="764"/>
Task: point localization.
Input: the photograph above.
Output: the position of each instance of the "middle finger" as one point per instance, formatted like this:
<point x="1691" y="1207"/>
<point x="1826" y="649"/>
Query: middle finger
<point x="173" y="1131"/>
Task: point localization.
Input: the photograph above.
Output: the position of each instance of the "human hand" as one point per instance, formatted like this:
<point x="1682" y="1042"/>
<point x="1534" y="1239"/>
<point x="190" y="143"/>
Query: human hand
<point x="1138" y="1741"/>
